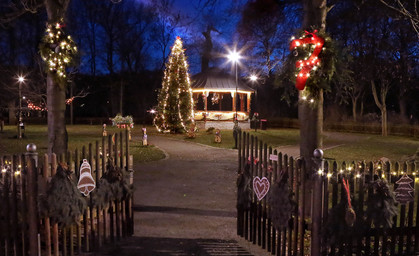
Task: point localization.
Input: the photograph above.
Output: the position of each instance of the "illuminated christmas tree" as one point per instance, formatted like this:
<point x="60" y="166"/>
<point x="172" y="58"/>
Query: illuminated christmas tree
<point x="175" y="102"/>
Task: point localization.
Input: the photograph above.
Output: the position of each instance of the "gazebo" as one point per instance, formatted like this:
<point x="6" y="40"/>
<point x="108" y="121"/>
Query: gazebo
<point x="214" y="92"/>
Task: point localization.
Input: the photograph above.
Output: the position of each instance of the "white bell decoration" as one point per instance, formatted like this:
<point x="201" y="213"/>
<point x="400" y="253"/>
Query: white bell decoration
<point x="86" y="182"/>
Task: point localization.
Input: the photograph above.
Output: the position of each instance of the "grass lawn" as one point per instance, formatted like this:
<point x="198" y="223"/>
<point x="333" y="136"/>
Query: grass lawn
<point x="78" y="136"/>
<point x="338" y="146"/>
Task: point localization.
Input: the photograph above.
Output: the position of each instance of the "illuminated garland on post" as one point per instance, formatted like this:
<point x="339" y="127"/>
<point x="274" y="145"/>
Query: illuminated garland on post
<point x="306" y="65"/>
<point x="58" y="51"/>
<point x="313" y="56"/>
<point x="175" y="102"/>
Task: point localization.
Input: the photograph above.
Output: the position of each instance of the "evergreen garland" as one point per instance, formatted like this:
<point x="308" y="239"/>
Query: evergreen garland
<point x="58" y="51"/>
<point x="175" y="103"/>
<point x="320" y="77"/>
<point x="380" y="210"/>
<point x="113" y="185"/>
<point x="381" y="205"/>
<point x="336" y="230"/>
<point x="244" y="188"/>
<point x="63" y="202"/>
<point x="280" y="202"/>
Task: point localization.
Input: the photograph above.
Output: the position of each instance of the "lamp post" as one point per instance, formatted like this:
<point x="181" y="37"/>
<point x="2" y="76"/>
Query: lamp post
<point x="234" y="57"/>
<point x="21" y="80"/>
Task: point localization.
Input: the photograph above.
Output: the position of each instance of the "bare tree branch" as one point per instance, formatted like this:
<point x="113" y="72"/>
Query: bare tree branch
<point x="402" y="8"/>
<point x="13" y="11"/>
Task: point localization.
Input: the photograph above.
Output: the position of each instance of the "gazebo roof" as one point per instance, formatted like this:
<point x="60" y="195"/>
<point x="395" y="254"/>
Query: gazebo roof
<point x="215" y="79"/>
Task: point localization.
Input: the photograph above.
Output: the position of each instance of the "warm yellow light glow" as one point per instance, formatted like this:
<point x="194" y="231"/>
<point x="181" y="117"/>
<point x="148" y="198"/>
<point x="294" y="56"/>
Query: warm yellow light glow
<point x="220" y="90"/>
<point x="21" y="79"/>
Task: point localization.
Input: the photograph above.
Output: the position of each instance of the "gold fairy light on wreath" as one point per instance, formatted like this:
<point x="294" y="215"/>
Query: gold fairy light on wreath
<point x="58" y="51"/>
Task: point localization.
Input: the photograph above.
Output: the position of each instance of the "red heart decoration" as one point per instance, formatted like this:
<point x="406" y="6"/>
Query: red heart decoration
<point x="261" y="187"/>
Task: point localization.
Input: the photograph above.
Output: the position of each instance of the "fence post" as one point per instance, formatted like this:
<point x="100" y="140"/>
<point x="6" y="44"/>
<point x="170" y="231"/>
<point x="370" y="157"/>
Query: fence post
<point x="317" y="202"/>
<point x="32" y="164"/>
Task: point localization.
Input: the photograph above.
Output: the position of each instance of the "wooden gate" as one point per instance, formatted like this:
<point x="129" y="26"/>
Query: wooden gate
<point x="307" y="230"/>
<point x="23" y="177"/>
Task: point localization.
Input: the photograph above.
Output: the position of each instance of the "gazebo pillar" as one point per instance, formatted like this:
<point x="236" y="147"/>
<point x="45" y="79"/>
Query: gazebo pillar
<point x="233" y="95"/>
<point x="249" y="96"/>
<point x="205" y="102"/>
<point x="241" y="102"/>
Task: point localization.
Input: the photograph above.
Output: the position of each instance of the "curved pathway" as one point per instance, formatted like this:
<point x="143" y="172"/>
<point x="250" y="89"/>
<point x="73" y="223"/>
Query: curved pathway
<point x="186" y="204"/>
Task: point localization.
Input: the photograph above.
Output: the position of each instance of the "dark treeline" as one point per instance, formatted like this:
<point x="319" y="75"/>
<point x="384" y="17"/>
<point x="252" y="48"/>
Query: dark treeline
<point x="123" y="47"/>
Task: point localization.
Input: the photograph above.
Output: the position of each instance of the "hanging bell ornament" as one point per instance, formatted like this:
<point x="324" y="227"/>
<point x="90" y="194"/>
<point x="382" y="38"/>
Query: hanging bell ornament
<point x="86" y="182"/>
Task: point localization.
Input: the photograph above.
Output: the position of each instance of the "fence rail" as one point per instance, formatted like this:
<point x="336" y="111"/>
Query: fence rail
<point x="307" y="230"/>
<point x="24" y="177"/>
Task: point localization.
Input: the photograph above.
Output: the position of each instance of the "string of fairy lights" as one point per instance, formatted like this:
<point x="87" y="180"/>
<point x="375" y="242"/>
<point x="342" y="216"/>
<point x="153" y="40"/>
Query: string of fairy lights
<point x="42" y="107"/>
<point x="360" y="170"/>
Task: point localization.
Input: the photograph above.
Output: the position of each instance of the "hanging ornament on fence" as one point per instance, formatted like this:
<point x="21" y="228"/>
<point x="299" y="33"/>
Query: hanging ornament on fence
<point x="86" y="182"/>
<point x="381" y="204"/>
<point x="350" y="215"/>
<point x="244" y="188"/>
<point x="281" y="205"/>
<point x="261" y="187"/>
<point x="305" y="66"/>
<point x="404" y="191"/>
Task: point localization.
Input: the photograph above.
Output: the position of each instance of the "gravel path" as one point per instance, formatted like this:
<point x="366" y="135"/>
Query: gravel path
<point x="186" y="204"/>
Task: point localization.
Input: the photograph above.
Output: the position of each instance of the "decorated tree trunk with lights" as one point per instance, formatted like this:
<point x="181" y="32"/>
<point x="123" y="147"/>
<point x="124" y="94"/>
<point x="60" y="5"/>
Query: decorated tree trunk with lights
<point x="175" y="103"/>
<point x="56" y="57"/>
<point x="310" y="112"/>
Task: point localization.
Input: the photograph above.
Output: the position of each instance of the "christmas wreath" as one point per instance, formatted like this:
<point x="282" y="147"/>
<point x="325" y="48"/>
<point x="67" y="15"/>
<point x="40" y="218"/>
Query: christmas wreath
<point x="112" y="186"/>
<point x="244" y="188"/>
<point x="381" y="204"/>
<point x="280" y="202"/>
<point x="313" y="60"/>
<point x="58" y="51"/>
<point x="63" y="202"/>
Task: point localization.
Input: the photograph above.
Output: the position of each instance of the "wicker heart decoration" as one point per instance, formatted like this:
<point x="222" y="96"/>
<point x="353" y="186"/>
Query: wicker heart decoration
<point x="261" y="187"/>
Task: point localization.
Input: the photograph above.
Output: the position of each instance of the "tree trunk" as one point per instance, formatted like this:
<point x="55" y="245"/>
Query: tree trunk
<point x="11" y="106"/>
<point x="354" y="103"/>
<point x="57" y="133"/>
<point x="403" y="110"/>
<point x="310" y="115"/>
<point x="381" y="105"/>
<point x="384" y="130"/>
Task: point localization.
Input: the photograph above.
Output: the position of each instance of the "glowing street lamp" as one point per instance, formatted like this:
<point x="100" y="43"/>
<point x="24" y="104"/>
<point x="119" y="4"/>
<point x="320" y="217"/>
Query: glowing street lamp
<point x="234" y="57"/>
<point x="21" y="80"/>
<point x="253" y="77"/>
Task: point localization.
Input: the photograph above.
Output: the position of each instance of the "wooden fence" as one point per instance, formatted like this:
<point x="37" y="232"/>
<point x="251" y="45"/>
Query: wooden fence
<point x="306" y="232"/>
<point x="23" y="177"/>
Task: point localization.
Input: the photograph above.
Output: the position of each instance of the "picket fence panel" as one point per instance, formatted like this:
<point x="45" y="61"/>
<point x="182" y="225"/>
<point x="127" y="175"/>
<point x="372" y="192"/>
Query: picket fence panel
<point x="255" y="224"/>
<point x="25" y="176"/>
